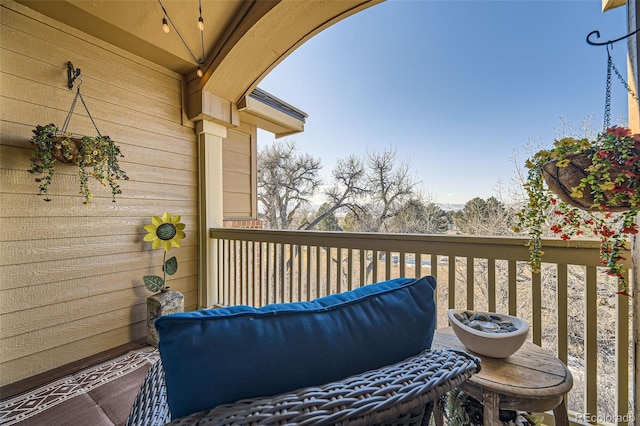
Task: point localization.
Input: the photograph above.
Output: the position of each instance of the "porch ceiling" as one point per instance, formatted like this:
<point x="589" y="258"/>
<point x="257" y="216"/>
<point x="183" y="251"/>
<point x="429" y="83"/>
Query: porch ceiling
<point x="243" y="39"/>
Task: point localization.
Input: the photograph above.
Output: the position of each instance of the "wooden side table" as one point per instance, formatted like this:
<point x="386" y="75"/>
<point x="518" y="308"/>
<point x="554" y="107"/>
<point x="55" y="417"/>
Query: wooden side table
<point x="532" y="380"/>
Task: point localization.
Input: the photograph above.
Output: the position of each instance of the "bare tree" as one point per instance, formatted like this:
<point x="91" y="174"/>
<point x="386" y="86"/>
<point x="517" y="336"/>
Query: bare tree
<point x="419" y="217"/>
<point x="286" y="181"/>
<point x="484" y="217"/>
<point x="373" y="190"/>
<point x="347" y="188"/>
<point x="390" y="186"/>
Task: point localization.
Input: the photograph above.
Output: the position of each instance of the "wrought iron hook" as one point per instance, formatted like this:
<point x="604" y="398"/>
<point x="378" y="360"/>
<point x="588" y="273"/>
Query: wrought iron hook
<point x="606" y="43"/>
<point x="72" y="74"/>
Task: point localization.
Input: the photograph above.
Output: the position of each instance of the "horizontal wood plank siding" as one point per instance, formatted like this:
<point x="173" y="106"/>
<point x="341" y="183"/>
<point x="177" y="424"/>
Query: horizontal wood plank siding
<point x="71" y="274"/>
<point x="239" y="170"/>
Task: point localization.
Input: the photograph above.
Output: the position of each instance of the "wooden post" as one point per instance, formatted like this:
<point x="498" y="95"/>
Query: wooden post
<point x="635" y="261"/>
<point x="210" y="137"/>
<point x="633" y="69"/>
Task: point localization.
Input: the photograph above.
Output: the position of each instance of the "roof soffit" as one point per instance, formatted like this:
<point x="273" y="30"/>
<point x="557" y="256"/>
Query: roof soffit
<point x="136" y="25"/>
<point x="271" y="37"/>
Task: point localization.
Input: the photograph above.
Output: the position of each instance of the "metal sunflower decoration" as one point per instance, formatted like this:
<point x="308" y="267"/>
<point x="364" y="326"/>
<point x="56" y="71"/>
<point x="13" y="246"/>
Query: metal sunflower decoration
<point x="164" y="232"/>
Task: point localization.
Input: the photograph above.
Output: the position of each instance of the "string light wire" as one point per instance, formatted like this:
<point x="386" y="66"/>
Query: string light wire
<point x="167" y="17"/>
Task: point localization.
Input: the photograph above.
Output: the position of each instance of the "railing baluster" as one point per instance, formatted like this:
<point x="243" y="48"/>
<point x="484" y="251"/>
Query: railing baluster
<point x="434" y="266"/>
<point x="387" y="265"/>
<point x="242" y="268"/>
<point x="350" y="269"/>
<point x="491" y="284"/>
<point x="622" y="358"/>
<point x="327" y="278"/>
<point x="591" y="342"/>
<point x="291" y="263"/>
<point x="268" y="274"/>
<point x="470" y="283"/>
<point x="375" y="260"/>
<point x="318" y="269"/>
<point x="248" y="272"/>
<point x="536" y="306"/>
<point x="237" y="289"/>
<point x="308" y="252"/>
<point x="563" y="314"/>
<point x="263" y="275"/>
<point x="402" y="260"/>
<point x="277" y="272"/>
<point x="275" y="252"/>
<point x="232" y="271"/>
<point x="283" y="272"/>
<point x="299" y="275"/>
<point x="339" y="280"/>
<point x="229" y="296"/>
<point x="254" y="282"/>
<point x="237" y="264"/>
<point x="222" y="258"/>
<point x="363" y="258"/>
<point x="513" y="283"/>
<point x="452" y="281"/>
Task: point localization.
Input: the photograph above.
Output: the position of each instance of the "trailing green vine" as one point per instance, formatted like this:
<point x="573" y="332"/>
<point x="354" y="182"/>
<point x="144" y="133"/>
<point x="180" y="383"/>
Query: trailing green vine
<point x="96" y="157"/>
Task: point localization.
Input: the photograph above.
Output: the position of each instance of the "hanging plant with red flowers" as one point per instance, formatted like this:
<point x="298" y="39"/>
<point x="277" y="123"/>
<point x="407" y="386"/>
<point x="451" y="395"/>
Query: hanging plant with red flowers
<point x="593" y="187"/>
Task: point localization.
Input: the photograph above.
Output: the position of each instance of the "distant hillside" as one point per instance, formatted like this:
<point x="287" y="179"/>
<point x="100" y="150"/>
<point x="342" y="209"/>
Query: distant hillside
<point x="449" y="207"/>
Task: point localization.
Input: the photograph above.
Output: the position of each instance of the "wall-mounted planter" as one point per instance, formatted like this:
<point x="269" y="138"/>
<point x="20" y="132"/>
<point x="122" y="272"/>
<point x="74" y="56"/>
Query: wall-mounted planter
<point x="97" y="157"/>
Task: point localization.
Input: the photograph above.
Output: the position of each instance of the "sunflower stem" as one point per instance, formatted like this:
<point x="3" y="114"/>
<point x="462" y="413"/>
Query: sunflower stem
<point x="164" y="270"/>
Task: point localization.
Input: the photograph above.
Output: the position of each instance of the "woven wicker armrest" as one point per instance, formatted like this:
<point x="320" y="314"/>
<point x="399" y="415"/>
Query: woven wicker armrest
<point x="399" y="394"/>
<point x="150" y="407"/>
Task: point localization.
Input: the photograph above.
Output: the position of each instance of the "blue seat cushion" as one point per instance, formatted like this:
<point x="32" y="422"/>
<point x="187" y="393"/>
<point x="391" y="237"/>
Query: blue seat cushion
<point x="219" y="356"/>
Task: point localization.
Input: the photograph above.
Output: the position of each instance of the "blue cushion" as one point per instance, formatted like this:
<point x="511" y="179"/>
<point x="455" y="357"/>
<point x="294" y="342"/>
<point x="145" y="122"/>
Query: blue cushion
<point x="219" y="356"/>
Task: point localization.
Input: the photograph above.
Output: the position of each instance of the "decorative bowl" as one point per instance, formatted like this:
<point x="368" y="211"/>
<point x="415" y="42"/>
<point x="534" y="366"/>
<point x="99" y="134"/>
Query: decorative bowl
<point x="483" y="338"/>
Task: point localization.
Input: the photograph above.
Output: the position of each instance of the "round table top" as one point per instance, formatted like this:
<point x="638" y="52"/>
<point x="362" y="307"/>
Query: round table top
<point x="530" y="373"/>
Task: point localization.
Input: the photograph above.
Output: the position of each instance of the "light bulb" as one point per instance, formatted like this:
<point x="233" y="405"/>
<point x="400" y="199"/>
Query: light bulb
<point x="199" y="72"/>
<point x="200" y="24"/>
<point x="165" y="25"/>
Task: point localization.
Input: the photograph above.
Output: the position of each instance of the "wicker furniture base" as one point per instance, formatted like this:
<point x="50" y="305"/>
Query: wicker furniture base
<point x="150" y="406"/>
<point x="398" y="394"/>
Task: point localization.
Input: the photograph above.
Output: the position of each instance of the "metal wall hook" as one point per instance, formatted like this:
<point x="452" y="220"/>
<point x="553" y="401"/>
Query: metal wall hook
<point x="606" y="43"/>
<point x="72" y="74"/>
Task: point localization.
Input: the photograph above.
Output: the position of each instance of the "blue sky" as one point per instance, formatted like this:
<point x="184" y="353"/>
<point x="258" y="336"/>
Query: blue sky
<point x="454" y="86"/>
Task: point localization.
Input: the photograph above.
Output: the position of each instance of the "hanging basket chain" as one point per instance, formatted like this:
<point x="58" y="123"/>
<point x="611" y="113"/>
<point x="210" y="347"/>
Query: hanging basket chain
<point x="624" y="83"/>
<point x="73" y="106"/>
<point x="607" y="99"/>
<point x="89" y="114"/>
<point x="70" y="113"/>
<point x="607" y="96"/>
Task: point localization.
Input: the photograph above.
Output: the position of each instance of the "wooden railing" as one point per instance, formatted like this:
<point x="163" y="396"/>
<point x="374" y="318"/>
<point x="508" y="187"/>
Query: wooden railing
<point x="571" y="305"/>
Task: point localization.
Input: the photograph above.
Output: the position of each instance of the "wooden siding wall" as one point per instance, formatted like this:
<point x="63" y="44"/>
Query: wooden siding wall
<point x="71" y="274"/>
<point x="239" y="166"/>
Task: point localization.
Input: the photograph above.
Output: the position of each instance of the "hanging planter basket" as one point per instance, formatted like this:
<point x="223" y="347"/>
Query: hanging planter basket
<point x="562" y="180"/>
<point x="97" y="157"/>
<point x="73" y="151"/>
<point x="72" y="154"/>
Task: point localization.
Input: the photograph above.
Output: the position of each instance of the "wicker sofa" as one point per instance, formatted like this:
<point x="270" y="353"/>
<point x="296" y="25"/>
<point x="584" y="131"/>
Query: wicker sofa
<point x="400" y="394"/>
<point x="358" y="357"/>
